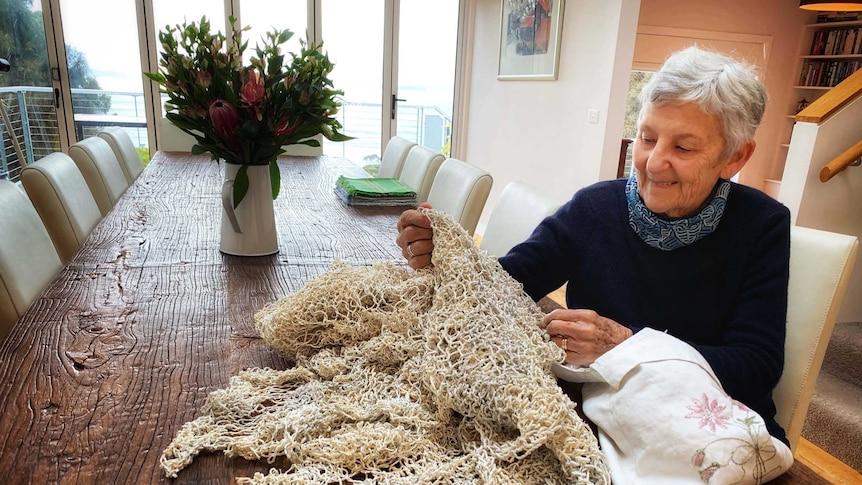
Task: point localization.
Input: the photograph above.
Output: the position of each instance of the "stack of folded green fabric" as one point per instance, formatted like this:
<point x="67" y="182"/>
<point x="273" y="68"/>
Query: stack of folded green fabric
<point x="374" y="191"/>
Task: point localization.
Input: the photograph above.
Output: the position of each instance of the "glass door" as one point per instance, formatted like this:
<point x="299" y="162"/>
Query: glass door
<point x="104" y="68"/>
<point x="29" y="126"/>
<point x="395" y="62"/>
<point x="427" y="38"/>
<point x="353" y="36"/>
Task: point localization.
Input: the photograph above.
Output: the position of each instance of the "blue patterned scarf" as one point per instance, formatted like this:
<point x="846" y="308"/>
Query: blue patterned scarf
<point x="668" y="235"/>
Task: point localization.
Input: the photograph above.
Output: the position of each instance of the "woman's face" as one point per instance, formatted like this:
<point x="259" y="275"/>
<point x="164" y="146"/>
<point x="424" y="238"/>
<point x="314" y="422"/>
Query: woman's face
<point x="677" y="157"/>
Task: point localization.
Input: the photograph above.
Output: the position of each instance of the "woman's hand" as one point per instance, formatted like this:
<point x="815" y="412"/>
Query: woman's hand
<point x="583" y="334"/>
<point x="415" y="237"/>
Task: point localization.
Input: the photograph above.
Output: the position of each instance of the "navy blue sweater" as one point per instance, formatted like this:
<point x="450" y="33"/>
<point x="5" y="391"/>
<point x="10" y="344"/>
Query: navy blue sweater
<point x="726" y="294"/>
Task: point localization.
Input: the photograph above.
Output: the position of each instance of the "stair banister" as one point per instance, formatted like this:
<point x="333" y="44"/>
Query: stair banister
<point x="850" y="157"/>
<point x="833" y="100"/>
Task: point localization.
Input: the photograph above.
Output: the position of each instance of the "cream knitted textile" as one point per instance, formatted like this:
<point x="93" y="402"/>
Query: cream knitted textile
<point x="402" y="377"/>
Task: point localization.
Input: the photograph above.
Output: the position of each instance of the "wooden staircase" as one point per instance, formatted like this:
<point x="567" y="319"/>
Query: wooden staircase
<point x="834" y="419"/>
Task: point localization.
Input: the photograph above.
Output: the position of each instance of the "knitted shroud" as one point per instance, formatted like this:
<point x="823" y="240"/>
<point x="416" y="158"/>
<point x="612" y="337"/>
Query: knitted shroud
<point x="438" y="375"/>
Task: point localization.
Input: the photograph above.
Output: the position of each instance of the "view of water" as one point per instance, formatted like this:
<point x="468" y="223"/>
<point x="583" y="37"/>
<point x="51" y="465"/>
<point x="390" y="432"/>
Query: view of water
<point x="425" y="124"/>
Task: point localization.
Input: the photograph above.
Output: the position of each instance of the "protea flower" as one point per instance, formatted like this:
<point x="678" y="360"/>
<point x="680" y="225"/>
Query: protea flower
<point x="203" y="79"/>
<point x="285" y="127"/>
<point x="225" y="120"/>
<point x="253" y="92"/>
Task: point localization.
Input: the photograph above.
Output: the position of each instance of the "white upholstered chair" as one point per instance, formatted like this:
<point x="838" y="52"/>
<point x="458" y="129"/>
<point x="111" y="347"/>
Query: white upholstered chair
<point x="461" y="190"/>
<point x="419" y="169"/>
<point x="820" y="266"/>
<point x="519" y="210"/>
<point x="124" y="149"/>
<point x="63" y="200"/>
<point x="172" y="138"/>
<point x="101" y="170"/>
<point x="28" y="260"/>
<point x="393" y="157"/>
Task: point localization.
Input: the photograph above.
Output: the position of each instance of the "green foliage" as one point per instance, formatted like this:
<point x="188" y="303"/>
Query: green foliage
<point x="22" y="43"/>
<point x="246" y="114"/>
<point x="80" y="77"/>
<point x="633" y="106"/>
<point x="143" y="154"/>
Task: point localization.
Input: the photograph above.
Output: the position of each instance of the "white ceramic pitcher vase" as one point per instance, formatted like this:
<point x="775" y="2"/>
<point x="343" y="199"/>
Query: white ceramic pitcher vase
<point x="248" y="230"/>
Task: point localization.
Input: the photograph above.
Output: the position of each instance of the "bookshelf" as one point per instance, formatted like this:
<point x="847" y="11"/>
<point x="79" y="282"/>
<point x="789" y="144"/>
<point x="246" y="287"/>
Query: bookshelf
<point x="831" y="51"/>
<point x="835" y="52"/>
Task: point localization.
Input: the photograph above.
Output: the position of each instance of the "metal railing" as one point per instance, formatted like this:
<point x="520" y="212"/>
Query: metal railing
<point x="34" y="124"/>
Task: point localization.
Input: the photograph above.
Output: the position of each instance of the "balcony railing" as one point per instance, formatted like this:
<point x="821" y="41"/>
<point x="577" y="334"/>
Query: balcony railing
<point x="32" y="113"/>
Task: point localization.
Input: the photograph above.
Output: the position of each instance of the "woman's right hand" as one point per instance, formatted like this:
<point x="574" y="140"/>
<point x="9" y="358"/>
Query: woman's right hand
<point x="415" y="237"/>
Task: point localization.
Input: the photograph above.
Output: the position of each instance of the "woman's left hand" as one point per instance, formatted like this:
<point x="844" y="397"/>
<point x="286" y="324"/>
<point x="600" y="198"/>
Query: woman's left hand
<point x="583" y="334"/>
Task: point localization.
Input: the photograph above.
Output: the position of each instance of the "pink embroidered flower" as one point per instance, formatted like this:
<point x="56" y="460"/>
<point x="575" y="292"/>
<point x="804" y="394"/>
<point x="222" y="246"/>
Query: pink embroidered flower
<point x="697" y="459"/>
<point x="707" y="473"/>
<point x="710" y="413"/>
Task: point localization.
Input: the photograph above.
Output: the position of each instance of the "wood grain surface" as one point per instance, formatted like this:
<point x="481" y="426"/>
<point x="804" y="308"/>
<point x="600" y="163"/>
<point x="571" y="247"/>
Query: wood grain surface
<point x="149" y="318"/>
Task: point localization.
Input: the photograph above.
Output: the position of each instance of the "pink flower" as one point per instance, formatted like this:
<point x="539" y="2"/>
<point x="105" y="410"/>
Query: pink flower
<point x="285" y="128"/>
<point x="710" y="413"/>
<point x="225" y="120"/>
<point x="707" y="473"/>
<point x="203" y="79"/>
<point x="194" y="111"/>
<point x="252" y="90"/>
<point x="697" y="459"/>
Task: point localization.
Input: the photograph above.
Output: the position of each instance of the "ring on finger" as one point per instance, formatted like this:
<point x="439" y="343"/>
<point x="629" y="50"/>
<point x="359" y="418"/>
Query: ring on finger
<point x="410" y="254"/>
<point x="563" y="344"/>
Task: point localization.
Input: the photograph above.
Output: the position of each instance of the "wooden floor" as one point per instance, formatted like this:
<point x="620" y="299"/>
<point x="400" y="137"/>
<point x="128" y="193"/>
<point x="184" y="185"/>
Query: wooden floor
<point x="825" y="465"/>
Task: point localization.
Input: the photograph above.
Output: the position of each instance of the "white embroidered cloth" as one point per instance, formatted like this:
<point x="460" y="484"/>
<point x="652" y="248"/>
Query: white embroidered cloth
<point x="664" y="418"/>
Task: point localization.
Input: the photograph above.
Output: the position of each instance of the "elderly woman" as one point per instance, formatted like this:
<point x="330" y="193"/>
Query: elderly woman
<point x="677" y="247"/>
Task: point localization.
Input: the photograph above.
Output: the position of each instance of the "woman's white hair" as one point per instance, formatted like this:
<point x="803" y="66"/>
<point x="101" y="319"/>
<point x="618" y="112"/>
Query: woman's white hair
<point x="719" y="84"/>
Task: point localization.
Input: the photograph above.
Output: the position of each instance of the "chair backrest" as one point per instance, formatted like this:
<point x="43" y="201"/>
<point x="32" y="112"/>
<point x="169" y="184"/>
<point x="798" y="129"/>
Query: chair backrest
<point x="124" y="149"/>
<point x="101" y="170"/>
<point x="419" y="169"/>
<point x="820" y="266"/>
<point x="393" y="157"/>
<point x="519" y="210"/>
<point x="63" y="200"/>
<point x="461" y="190"/>
<point x="28" y="260"/>
<point x="173" y="139"/>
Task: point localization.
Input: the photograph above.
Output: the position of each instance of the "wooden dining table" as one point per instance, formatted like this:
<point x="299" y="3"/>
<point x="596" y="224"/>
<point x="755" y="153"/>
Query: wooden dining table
<point x="125" y="344"/>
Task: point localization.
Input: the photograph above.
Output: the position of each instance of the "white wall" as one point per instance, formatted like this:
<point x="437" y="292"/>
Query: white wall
<point x="537" y="131"/>
<point x="837" y="204"/>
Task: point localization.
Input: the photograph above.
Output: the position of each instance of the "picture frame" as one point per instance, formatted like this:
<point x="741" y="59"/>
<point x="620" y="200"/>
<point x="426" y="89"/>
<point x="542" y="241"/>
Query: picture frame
<point x="530" y="32"/>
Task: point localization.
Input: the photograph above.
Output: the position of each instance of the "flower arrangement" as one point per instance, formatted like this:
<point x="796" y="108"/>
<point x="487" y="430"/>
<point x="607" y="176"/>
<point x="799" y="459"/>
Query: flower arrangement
<point x="246" y="114"/>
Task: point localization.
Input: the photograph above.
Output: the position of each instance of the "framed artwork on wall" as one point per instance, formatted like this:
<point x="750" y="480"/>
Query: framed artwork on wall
<point x="530" y="39"/>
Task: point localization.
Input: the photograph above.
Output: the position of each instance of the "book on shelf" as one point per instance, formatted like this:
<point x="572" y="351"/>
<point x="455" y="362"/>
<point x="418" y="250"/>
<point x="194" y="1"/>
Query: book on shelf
<point x="837" y="42"/>
<point x="374" y="191"/>
<point x="827" y="17"/>
<point x="818" y="73"/>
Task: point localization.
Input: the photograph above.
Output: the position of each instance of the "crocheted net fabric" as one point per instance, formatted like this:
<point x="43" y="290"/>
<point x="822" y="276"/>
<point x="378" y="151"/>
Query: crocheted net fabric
<point x="438" y="375"/>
